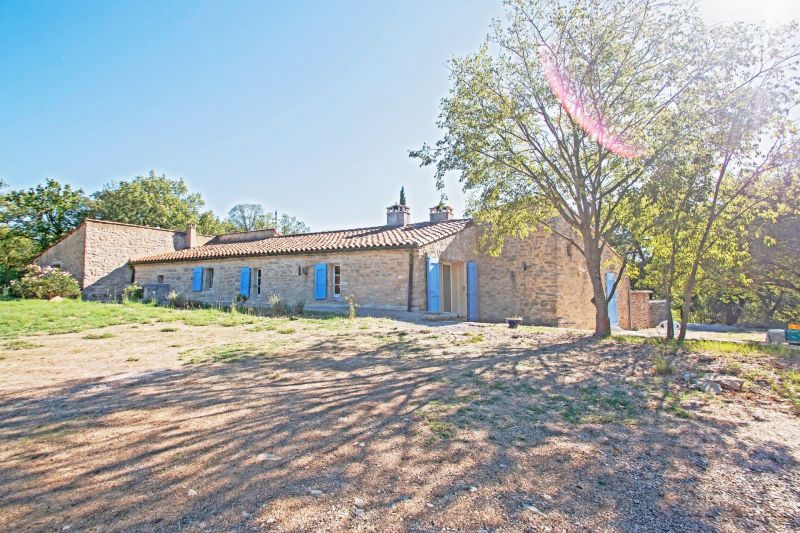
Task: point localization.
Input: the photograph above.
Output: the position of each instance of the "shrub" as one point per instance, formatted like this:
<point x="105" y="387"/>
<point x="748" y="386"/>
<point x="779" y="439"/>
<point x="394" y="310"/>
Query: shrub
<point x="352" y="306"/>
<point x="277" y="306"/>
<point x="133" y="293"/>
<point x="172" y="298"/>
<point x="662" y="365"/>
<point x="45" y="283"/>
<point x="299" y="307"/>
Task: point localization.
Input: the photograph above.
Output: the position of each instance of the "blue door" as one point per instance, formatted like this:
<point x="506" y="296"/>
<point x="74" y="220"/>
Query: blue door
<point x="472" y="291"/>
<point x="613" y="315"/>
<point x="433" y="284"/>
<point x="197" y="279"/>
<point x="320" y="281"/>
<point x="244" y="282"/>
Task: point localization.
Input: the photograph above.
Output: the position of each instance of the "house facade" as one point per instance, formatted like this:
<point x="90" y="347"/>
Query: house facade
<point x="400" y="267"/>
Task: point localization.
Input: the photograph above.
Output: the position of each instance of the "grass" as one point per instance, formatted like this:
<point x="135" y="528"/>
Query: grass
<point x="168" y="330"/>
<point x="662" y="365"/>
<point x="713" y="347"/>
<point x="19" y="344"/>
<point x="228" y="353"/>
<point x="98" y="336"/>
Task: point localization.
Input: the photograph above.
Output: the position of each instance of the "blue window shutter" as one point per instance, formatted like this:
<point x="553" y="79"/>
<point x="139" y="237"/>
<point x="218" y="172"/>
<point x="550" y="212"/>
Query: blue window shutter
<point x="244" y="282"/>
<point x="320" y="281"/>
<point x="472" y="291"/>
<point x="433" y="284"/>
<point x="613" y="315"/>
<point x="197" y="279"/>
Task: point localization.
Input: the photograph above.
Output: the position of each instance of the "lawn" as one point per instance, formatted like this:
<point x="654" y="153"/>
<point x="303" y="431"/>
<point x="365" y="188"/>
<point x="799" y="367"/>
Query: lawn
<point x="134" y="417"/>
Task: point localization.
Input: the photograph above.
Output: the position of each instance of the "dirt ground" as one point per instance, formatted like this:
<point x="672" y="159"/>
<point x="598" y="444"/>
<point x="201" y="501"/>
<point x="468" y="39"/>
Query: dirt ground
<point x="381" y="425"/>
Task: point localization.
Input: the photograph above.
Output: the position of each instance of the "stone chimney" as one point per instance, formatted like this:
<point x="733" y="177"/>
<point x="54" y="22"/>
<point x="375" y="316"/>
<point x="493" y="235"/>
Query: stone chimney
<point x="441" y="212"/>
<point x="398" y="215"/>
<point x="191" y="235"/>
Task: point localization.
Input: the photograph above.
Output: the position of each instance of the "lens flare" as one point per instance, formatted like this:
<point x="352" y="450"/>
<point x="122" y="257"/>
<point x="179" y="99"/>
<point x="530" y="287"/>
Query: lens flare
<point x="563" y="88"/>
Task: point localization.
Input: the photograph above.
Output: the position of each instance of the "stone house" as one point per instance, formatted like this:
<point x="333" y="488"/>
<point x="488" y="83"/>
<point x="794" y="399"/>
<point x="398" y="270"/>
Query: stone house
<point x="397" y="268"/>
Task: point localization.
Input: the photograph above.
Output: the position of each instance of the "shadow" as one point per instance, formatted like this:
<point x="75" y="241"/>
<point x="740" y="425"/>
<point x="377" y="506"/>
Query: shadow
<point x="428" y="434"/>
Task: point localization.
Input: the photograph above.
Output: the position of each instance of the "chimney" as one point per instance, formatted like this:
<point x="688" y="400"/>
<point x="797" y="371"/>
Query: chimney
<point x="398" y="215"/>
<point x="441" y="213"/>
<point x="191" y="235"/>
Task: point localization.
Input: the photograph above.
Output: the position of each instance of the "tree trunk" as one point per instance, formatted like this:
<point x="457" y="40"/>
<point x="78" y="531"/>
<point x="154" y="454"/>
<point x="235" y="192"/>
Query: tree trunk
<point x="602" y="325"/>
<point x="670" y="324"/>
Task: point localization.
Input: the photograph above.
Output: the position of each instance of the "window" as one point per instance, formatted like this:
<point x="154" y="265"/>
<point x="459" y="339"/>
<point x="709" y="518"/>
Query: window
<point x="337" y="281"/>
<point x="208" y="278"/>
<point x="160" y="278"/>
<point x="258" y="281"/>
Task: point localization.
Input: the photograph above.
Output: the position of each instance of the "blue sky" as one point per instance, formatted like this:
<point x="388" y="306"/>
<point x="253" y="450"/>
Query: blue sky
<point x="305" y="107"/>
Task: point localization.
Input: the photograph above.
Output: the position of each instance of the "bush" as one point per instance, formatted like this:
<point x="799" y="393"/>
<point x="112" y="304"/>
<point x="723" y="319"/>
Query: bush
<point x="299" y="307"/>
<point x="277" y="306"/>
<point x="133" y="293"/>
<point x="352" y="306"/>
<point x="45" y="283"/>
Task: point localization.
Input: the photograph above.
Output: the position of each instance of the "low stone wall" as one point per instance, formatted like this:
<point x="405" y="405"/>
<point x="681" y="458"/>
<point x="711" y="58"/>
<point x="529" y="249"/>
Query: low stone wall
<point x="157" y="292"/>
<point x="658" y="312"/>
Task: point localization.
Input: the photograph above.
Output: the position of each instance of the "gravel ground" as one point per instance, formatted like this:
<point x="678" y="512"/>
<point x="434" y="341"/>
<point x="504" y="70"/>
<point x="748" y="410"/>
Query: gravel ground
<point x="380" y="425"/>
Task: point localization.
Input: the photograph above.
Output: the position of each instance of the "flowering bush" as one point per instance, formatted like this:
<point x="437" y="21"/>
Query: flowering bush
<point x="45" y="283"/>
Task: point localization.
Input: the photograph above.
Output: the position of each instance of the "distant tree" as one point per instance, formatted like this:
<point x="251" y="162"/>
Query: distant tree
<point x="210" y="224"/>
<point x="289" y="225"/>
<point x="402" y="196"/>
<point x="248" y="217"/>
<point x="45" y="213"/>
<point x="150" y="200"/>
<point x="251" y="217"/>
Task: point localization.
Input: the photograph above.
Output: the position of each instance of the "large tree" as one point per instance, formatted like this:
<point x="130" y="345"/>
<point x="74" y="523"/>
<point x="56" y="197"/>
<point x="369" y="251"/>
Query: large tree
<point x="562" y="114"/>
<point x="43" y="213"/>
<point x="150" y="200"/>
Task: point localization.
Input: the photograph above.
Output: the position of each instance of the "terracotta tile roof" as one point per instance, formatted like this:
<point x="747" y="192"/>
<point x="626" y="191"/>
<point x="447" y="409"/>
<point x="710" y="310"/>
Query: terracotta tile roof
<point x="411" y="235"/>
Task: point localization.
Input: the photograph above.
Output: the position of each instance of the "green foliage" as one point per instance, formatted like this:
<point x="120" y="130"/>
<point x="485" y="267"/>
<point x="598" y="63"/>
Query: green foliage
<point x="251" y="217"/>
<point x="45" y="283"/>
<point x="150" y="200"/>
<point x="277" y="306"/>
<point x="16" y="252"/>
<point x="402" y="196"/>
<point x="352" y="306"/>
<point x="43" y="214"/>
<point x="133" y="293"/>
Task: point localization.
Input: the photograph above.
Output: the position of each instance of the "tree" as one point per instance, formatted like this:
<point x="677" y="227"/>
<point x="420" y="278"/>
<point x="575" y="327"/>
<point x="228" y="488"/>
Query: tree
<point x="708" y="193"/>
<point x="44" y="213"/>
<point x="402" y="196"/>
<point x="289" y="225"/>
<point x="565" y="117"/>
<point x="149" y="201"/>
<point x="248" y="217"/>
<point x="16" y="252"/>
<point x="251" y="217"/>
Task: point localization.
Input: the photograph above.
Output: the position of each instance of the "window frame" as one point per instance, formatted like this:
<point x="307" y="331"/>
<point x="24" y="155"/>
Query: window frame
<point x="258" y="282"/>
<point x="336" y="272"/>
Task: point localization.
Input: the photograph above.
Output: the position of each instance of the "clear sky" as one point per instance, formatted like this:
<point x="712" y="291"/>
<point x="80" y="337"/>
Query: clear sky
<point x="308" y="107"/>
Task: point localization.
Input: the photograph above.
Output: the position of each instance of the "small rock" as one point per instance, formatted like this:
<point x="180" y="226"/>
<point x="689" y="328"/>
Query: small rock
<point x="534" y="509"/>
<point x="271" y="520"/>
<point x="473" y="489"/>
<point x="191" y="493"/>
<point x="360" y="513"/>
<point x="725" y="381"/>
<point x="708" y="387"/>
<point x="58" y="299"/>
<point x="65" y="528"/>
<point x="267" y="457"/>
<point x="245" y="514"/>
<point x="689" y="376"/>
<point x="358" y="502"/>
<point x="316" y="492"/>
<point x="430" y="505"/>
<point x="630" y="379"/>
<point x="547" y="497"/>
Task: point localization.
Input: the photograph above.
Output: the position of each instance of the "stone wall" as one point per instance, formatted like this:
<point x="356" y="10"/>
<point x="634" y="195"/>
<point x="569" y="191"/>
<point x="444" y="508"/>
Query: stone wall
<point x="68" y="253"/>
<point x="109" y="247"/>
<point x="375" y="278"/>
<point x="640" y="309"/>
<point x="658" y="312"/>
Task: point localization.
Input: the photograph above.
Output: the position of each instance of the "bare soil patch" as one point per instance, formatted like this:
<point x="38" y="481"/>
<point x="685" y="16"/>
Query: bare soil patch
<point x="381" y="425"/>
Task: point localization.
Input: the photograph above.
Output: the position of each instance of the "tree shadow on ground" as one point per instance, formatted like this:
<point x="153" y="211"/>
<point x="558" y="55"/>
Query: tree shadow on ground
<point x="507" y="437"/>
